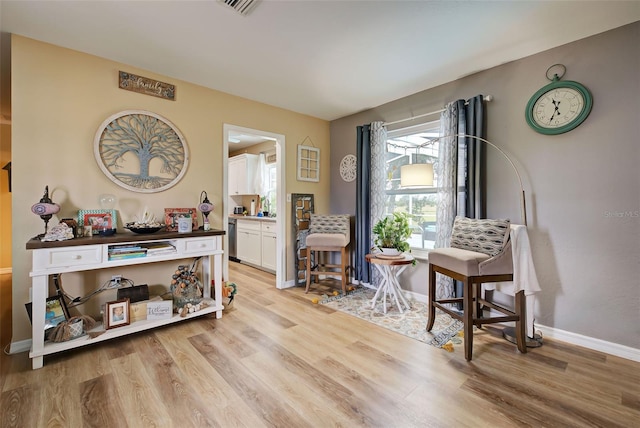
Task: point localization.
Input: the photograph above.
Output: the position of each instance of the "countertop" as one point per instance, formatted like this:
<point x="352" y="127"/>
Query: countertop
<point x="252" y="217"/>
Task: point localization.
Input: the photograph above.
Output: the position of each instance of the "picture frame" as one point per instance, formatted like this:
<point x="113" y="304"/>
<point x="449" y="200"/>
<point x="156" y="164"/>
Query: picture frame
<point x="308" y="163"/>
<point x="98" y="219"/>
<point x="171" y="216"/>
<point x="56" y="312"/>
<point x="116" y="314"/>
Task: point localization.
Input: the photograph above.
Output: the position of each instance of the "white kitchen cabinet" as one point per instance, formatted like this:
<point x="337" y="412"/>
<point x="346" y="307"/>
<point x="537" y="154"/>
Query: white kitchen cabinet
<point x="242" y="170"/>
<point x="268" y="234"/>
<point x="248" y="237"/>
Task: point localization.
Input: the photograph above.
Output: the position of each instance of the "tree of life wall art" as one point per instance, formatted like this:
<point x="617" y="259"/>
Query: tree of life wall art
<point x="141" y="151"/>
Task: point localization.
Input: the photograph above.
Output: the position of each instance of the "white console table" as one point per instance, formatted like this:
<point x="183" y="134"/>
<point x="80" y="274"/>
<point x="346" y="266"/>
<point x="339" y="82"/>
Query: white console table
<point x="83" y="254"/>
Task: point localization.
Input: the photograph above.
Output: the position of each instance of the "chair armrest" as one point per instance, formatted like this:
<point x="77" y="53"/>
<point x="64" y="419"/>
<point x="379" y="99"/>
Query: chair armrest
<point x="500" y="264"/>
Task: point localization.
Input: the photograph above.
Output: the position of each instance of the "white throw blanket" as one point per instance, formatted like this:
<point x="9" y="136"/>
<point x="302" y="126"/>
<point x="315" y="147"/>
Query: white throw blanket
<point x="524" y="273"/>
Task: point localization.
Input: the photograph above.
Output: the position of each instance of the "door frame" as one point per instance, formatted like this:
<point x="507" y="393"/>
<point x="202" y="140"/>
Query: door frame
<point x="280" y="199"/>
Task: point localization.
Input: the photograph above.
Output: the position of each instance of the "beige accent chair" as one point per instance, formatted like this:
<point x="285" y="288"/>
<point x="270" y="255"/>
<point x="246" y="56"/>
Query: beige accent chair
<point x="474" y="268"/>
<point x="328" y="233"/>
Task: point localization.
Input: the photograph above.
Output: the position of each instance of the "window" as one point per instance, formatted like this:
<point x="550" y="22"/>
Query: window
<point x="269" y="203"/>
<point x="411" y="146"/>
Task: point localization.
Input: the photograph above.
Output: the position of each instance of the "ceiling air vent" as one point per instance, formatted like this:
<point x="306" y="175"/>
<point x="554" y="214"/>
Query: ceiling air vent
<point x="243" y="7"/>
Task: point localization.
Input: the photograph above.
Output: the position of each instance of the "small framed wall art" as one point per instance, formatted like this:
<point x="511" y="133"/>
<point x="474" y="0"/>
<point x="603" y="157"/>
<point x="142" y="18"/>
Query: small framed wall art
<point x="98" y="219"/>
<point x="172" y="216"/>
<point x="308" y="163"/>
<point x="116" y="314"/>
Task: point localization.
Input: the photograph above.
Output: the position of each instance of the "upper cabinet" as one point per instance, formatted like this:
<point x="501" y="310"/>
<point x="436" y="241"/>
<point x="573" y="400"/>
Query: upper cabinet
<point x="242" y="170"/>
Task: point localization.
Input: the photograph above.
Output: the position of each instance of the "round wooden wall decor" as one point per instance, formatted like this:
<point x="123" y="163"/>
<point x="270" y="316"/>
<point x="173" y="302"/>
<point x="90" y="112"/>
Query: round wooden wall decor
<point x="141" y="151"/>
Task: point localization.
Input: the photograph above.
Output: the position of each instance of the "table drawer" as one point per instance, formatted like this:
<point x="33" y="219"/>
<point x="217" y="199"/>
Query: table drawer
<point x="63" y="257"/>
<point x="199" y="245"/>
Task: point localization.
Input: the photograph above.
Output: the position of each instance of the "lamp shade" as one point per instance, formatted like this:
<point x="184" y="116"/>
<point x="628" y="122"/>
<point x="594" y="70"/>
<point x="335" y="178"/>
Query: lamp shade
<point x="416" y="175"/>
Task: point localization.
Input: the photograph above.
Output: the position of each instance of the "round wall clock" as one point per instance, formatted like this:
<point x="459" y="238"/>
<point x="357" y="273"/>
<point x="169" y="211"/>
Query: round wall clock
<point x="141" y="151"/>
<point x="559" y="106"/>
<point x="348" y="168"/>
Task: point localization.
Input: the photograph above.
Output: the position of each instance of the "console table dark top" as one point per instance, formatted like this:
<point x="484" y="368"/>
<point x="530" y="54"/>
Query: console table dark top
<point x="119" y="237"/>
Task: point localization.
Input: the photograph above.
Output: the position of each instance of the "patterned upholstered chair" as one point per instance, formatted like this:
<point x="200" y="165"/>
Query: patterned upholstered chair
<point x="328" y="233"/>
<point x="480" y="252"/>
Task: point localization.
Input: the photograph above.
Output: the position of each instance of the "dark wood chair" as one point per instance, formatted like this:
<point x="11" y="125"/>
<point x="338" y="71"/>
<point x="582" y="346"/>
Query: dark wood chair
<point x="473" y="268"/>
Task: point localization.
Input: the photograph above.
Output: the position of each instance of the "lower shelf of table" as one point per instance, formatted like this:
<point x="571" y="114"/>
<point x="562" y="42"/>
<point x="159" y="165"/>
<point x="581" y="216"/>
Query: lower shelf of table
<point x="53" y="347"/>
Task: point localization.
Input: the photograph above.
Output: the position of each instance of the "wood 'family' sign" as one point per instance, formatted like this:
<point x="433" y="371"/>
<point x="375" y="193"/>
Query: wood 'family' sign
<point x="144" y="85"/>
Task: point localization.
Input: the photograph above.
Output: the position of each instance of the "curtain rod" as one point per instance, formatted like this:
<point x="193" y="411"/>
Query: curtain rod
<point x="487" y="98"/>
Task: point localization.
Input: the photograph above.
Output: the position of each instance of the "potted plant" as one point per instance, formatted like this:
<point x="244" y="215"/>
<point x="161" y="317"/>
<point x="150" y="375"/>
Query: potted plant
<point x="391" y="234"/>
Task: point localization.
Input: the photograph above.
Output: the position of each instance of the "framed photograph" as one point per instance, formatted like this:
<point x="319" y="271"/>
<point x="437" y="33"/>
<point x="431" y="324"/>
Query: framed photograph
<point x="116" y="314"/>
<point x="56" y="312"/>
<point x="98" y="219"/>
<point x="171" y="216"/>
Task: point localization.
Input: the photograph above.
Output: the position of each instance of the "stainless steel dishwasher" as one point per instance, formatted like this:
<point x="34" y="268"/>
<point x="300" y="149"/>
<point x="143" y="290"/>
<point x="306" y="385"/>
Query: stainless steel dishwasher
<point x="233" y="252"/>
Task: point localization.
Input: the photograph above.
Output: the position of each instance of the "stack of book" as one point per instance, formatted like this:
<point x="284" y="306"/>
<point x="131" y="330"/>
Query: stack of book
<point x="120" y="252"/>
<point x="158" y="248"/>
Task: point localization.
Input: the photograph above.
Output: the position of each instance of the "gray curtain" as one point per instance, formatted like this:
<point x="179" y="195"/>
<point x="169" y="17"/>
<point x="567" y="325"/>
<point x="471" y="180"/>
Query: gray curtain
<point x="361" y="272"/>
<point x="472" y="158"/>
<point x="462" y="172"/>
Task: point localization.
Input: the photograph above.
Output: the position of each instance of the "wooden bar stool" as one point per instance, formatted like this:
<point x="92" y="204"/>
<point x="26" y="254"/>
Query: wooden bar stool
<point x="480" y="252"/>
<point x="328" y="233"/>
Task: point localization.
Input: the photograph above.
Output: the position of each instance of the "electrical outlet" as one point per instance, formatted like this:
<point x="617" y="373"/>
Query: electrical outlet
<point x="115" y="281"/>
<point x="288" y="197"/>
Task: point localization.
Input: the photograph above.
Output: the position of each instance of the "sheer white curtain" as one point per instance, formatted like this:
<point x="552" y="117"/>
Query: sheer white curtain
<point x="447" y="172"/>
<point x="261" y="179"/>
<point x="378" y="185"/>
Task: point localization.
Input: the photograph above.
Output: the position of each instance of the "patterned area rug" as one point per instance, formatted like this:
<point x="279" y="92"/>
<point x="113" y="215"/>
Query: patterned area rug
<point x="446" y="331"/>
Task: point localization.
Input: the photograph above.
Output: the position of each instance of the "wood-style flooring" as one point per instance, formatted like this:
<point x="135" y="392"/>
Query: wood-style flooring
<point x="274" y="359"/>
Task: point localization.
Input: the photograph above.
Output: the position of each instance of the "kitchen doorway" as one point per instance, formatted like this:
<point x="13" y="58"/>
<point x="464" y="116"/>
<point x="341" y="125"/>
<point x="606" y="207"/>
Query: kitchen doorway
<point x="238" y="136"/>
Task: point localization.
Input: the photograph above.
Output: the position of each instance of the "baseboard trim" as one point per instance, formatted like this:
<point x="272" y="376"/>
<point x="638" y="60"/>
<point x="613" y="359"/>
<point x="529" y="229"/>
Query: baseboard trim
<point x="592" y="343"/>
<point x="6" y="271"/>
<point x="20" y="346"/>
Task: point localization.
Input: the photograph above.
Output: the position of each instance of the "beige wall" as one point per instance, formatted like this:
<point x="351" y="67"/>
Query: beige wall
<point x="583" y="187"/>
<point x="5" y="199"/>
<point x="60" y="97"/>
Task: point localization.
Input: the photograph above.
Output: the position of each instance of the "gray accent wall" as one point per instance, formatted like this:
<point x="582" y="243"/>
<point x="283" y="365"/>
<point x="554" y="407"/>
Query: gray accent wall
<point x="582" y="187"/>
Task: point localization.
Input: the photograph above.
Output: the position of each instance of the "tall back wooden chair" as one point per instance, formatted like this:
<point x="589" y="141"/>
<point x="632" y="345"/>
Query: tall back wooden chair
<point x="328" y="233"/>
<point x="480" y="252"/>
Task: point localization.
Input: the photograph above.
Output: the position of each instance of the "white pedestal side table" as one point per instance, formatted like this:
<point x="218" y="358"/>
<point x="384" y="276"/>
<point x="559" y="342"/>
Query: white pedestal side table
<point x="390" y="268"/>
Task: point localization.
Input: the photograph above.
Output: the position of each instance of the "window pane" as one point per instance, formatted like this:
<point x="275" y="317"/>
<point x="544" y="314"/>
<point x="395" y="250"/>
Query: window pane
<point x="413" y="146"/>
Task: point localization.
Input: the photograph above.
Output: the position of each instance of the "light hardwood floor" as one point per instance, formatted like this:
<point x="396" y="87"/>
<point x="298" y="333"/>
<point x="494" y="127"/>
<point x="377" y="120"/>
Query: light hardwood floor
<point x="275" y="359"/>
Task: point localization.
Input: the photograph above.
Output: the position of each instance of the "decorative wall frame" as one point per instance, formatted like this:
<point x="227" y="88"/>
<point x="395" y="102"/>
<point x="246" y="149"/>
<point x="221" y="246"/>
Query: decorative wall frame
<point x="141" y="151"/>
<point x="144" y="85"/>
<point x="308" y="163"/>
<point x="348" y="166"/>
<point x="171" y="216"/>
<point x="98" y="219"/>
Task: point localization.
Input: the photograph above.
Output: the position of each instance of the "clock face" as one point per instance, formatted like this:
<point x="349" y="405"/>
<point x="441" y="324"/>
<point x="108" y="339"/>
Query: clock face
<point x="558" y="107"/>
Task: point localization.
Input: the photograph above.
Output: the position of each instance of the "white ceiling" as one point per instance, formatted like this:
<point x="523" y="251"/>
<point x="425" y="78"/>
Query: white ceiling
<point x="327" y="59"/>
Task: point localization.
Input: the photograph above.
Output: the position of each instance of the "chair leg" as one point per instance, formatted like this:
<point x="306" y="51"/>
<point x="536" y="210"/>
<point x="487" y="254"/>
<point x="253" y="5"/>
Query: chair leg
<point x="343" y="269"/>
<point x="521" y="324"/>
<point x="468" y="318"/>
<point x="431" y="298"/>
<point x="306" y="290"/>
